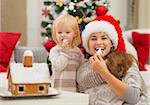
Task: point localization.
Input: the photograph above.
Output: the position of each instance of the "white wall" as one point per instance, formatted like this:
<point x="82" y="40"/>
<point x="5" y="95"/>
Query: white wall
<point x="117" y="9"/>
<point x="144" y="14"/>
<point x="33" y="22"/>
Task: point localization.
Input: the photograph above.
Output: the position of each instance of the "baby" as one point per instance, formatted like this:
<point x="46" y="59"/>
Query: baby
<point x="65" y="57"/>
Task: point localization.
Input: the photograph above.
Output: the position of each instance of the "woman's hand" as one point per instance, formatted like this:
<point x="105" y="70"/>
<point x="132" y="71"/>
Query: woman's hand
<point x="98" y="64"/>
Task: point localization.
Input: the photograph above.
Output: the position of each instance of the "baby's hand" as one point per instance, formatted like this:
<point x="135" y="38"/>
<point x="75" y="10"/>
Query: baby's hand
<point x="65" y="43"/>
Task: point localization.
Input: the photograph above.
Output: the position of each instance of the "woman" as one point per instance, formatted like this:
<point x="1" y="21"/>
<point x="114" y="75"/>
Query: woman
<point x="107" y="81"/>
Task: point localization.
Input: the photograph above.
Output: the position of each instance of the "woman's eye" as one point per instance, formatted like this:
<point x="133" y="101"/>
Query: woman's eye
<point x="93" y="38"/>
<point x="104" y="38"/>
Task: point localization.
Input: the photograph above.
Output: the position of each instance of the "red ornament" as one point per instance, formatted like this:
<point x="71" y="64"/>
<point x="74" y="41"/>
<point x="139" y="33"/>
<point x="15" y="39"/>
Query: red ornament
<point x="101" y="10"/>
<point x="81" y="42"/>
<point x="49" y="44"/>
<point x="82" y="50"/>
<point x="45" y="12"/>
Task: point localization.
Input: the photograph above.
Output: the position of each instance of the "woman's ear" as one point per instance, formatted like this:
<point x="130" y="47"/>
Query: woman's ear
<point x="112" y="48"/>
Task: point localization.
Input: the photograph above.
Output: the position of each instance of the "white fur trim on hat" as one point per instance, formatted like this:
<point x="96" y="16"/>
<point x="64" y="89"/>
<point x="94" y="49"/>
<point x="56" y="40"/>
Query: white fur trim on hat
<point x="99" y="26"/>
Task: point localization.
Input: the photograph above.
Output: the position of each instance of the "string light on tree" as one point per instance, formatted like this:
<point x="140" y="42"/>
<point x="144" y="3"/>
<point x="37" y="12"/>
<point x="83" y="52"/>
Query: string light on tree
<point x="83" y="10"/>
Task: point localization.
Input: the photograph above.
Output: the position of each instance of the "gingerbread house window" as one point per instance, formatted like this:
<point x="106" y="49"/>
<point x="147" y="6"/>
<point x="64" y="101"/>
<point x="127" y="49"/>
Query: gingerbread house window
<point x="41" y="88"/>
<point x="21" y="89"/>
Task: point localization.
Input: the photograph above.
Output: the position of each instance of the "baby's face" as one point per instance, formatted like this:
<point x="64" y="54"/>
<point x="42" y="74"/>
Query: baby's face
<point x="99" y="40"/>
<point x="64" y="34"/>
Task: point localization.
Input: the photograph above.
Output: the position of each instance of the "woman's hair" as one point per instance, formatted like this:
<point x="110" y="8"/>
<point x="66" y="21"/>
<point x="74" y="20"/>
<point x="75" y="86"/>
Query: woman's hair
<point x="67" y="21"/>
<point x="119" y="62"/>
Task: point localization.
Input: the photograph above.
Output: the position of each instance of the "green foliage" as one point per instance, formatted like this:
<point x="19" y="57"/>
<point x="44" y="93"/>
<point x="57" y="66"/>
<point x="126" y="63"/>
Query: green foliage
<point x="83" y="10"/>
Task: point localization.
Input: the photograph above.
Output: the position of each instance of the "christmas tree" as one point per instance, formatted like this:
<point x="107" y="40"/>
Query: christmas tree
<point x="83" y="10"/>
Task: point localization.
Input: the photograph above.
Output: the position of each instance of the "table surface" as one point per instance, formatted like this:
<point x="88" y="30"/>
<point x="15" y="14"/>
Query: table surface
<point x="64" y="98"/>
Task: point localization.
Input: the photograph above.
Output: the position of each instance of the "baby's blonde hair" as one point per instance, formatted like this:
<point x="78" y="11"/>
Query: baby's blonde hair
<point x="69" y="21"/>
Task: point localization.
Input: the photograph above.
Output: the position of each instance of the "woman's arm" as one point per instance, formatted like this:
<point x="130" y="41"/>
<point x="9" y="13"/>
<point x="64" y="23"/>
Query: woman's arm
<point x="127" y="93"/>
<point x="98" y="64"/>
<point x="127" y="90"/>
<point x="121" y="88"/>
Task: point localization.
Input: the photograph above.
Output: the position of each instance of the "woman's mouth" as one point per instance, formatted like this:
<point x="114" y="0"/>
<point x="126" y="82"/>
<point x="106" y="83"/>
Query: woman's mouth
<point x="96" y="49"/>
<point x="99" y="50"/>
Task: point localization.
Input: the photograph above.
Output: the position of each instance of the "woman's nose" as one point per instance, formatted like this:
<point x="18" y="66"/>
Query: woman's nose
<point x="99" y="41"/>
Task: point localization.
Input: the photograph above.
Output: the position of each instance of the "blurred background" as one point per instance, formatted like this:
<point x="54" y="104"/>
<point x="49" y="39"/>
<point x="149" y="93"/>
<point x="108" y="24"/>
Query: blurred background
<point x="25" y="16"/>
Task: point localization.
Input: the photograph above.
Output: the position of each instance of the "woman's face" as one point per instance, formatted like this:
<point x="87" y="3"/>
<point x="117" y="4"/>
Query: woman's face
<point x="100" y="40"/>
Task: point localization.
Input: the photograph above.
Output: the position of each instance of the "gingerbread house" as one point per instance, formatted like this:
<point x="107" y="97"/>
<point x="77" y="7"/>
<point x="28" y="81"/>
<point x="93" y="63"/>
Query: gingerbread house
<point x="28" y="79"/>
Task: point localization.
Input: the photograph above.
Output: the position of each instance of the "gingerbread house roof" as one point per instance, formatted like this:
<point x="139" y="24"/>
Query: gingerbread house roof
<point x="38" y="73"/>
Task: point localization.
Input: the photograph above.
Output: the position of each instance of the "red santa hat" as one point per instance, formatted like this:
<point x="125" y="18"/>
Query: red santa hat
<point x="106" y="24"/>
